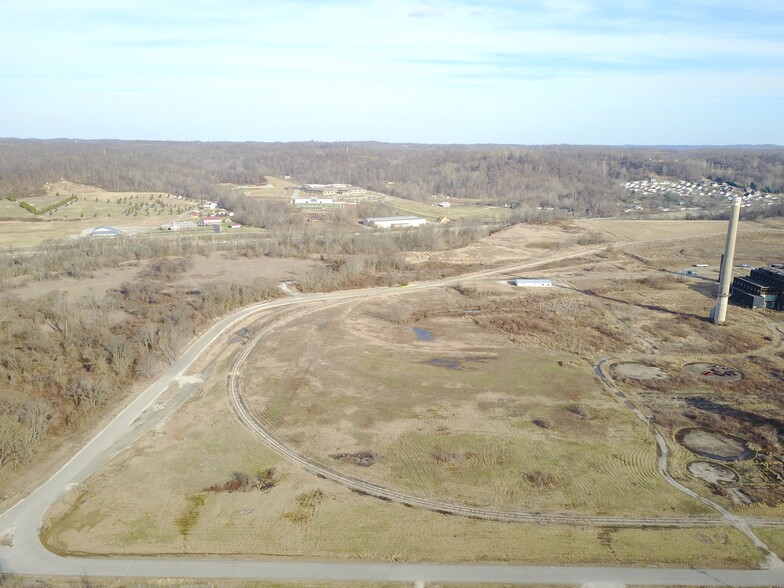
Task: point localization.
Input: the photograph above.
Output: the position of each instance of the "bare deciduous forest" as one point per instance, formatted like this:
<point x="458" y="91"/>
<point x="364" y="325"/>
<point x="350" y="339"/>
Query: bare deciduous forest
<point x="586" y="180"/>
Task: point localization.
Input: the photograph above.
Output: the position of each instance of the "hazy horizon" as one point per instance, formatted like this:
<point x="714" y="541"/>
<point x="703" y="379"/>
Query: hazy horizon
<point x="578" y="72"/>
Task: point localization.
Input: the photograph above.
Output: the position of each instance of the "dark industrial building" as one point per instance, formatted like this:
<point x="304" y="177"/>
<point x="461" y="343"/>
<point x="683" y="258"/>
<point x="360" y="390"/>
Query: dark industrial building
<point x="764" y="288"/>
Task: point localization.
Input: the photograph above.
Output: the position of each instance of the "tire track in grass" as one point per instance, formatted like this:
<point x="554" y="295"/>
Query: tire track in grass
<point x="390" y="494"/>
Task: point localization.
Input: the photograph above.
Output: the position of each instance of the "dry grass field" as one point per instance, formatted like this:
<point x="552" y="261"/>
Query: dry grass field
<point x="480" y="394"/>
<point x="656" y="230"/>
<point x="275" y="188"/>
<point x="458" y="209"/>
<point x="467" y="415"/>
<point x="517" y="244"/>
<point x="176" y="493"/>
<point x="754" y="247"/>
<point x="205" y="269"/>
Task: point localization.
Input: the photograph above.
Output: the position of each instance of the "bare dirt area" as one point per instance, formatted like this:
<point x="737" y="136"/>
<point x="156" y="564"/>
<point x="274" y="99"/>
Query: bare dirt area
<point x="517" y="243"/>
<point x="638" y="371"/>
<point x="712" y="472"/>
<point x="714" y="444"/>
<point x="714" y="372"/>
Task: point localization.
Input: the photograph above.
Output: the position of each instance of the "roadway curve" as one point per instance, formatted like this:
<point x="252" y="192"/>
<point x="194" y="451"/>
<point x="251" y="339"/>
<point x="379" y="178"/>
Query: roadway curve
<point x="21" y="551"/>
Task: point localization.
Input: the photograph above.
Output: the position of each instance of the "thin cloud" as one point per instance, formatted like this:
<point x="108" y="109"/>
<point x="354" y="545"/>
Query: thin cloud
<point x="426" y="12"/>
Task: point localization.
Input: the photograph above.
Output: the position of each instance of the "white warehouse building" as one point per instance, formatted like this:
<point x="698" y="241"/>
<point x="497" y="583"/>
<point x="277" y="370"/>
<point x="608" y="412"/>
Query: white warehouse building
<point x="388" y="222"/>
<point x="532" y="282"/>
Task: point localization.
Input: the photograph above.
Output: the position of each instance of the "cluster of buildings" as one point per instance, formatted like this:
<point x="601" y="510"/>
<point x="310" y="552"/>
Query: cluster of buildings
<point x="682" y="188"/>
<point x="763" y="288"/>
<point x="317" y="196"/>
<point x="681" y="192"/>
<point x="179" y="225"/>
<point x="330" y="189"/>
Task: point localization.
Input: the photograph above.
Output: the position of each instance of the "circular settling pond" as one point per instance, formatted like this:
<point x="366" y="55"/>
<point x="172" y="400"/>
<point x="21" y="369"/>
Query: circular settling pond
<point x="714" y="444"/>
<point x="714" y="473"/>
<point x="713" y="372"/>
<point x="637" y="371"/>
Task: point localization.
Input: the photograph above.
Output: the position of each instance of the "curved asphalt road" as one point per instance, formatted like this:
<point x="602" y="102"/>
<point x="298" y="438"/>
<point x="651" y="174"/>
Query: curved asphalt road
<point x="20" y="525"/>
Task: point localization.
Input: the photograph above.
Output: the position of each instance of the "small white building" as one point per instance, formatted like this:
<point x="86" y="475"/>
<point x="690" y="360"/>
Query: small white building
<point x="388" y="222"/>
<point x="105" y="231"/>
<point x="179" y="225"/>
<point x="532" y="282"/>
<point x="209" y="205"/>
<point x="444" y="204"/>
<point x="313" y="200"/>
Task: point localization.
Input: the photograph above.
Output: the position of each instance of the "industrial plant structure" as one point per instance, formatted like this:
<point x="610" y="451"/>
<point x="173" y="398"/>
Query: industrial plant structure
<point x="719" y="312"/>
<point x="763" y="288"/>
<point x="388" y="222"/>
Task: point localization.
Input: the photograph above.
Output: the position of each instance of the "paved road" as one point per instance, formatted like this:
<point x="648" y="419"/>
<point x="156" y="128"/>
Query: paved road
<point x="20" y="524"/>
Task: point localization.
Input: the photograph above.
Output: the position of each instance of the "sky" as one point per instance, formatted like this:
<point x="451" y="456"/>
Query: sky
<point x="616" y="72"/>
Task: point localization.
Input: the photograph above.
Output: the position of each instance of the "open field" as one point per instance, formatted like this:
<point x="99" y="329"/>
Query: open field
<point x="131" y="211"/>
<point x="758" y="245"/>
<point x="206" y="269"/>
<point x="456" y="210"/>
<point x="275" y="188"/>
<point x="490" y="401"/>
<point x="517" y="243"/>
<point x="169" y="507"/>
<point x="479" y="423"/>
<point x="643" y="230"/>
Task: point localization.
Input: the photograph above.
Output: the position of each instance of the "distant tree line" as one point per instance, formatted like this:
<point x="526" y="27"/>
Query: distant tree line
<point x="583" y="180"/>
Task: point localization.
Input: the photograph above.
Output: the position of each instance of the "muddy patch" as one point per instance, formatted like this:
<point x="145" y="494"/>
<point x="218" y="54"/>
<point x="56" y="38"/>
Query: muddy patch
<point x="713" y="372"/>
<point x="638" y="371"/>
<point x="714" y="444"/>
<point x="713" y="473"/>
<point x="363" y="459"/>
<point x="243" y="482"/>
<point x="305" y="507"/>
<point x="240" y="336"/>
<point x="455" y="363"/>
<point x="422" y="334"/>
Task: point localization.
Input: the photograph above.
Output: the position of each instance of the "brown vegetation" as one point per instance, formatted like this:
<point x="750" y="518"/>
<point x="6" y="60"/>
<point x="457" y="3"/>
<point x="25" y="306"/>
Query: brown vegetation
<point x="560" y="322"/>
<point x="575" y="180"/>
<point x="63" y="358"/>
<point x="244" y="482"/>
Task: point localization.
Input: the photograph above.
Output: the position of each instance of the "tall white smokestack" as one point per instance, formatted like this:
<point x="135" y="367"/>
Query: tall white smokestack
<point x="719" y="312"/>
